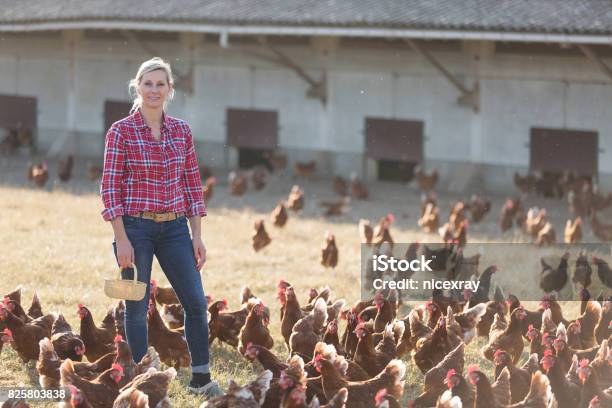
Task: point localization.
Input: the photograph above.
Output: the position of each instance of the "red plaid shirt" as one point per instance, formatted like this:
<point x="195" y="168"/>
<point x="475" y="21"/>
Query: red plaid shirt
<point x="143" y="174"/>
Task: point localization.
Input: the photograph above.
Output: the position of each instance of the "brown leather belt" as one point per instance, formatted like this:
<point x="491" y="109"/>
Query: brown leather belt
<point x="158" y="217"/>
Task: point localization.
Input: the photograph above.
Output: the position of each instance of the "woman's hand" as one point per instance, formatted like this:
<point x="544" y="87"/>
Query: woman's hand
<point x="199" y="251"/>
<point x="125" y="253"/>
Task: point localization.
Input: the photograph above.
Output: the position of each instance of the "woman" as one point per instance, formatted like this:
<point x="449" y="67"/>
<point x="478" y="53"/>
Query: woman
<point x="150" y="187"/>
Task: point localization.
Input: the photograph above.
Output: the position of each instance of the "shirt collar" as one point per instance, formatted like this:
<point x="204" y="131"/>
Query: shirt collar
<point x="140" y="122"/>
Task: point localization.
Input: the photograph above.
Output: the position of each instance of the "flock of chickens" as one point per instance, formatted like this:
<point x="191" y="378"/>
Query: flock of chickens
<point x="109" y="377"/>
<point x="355" y="355"/>
<point x="363" y="365"/>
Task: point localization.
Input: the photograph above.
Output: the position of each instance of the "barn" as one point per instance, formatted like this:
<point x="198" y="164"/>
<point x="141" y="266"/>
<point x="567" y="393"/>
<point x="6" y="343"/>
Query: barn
<point x="479" y="89"/>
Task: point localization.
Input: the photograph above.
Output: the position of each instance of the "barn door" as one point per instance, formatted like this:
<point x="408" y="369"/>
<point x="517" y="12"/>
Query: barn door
<point x="557" y="150"/>
<point x="18" y="115"/>
<point x="254" y="133"/>
<point x="396" y="145"/>
<point x="114" y="111"/>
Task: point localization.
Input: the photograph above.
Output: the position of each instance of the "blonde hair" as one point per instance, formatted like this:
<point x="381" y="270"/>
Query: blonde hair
<point x="155" y="63"/>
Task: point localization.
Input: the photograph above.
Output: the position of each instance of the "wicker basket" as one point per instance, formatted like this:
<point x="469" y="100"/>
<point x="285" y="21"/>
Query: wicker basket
<point x="124" y="288"/>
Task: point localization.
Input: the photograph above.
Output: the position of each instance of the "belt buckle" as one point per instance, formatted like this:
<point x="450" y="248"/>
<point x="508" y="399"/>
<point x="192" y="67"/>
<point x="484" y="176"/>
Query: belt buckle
<point x="157" y="217"/>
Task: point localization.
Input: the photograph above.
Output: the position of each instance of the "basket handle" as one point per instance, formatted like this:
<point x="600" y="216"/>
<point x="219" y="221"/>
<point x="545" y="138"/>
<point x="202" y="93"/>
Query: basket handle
<point x="135" y="272"/>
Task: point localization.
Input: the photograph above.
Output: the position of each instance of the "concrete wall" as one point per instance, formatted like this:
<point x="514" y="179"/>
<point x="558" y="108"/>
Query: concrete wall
<point x="517" y="92"/>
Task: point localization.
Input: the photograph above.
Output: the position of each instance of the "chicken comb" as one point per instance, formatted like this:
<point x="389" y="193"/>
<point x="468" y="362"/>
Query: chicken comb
<point x="7" y="332"/>
<point x="118" y="338"/>
<point x="117" y="367"/>
<point x="594" y="401"/>
<point x="6" y="300"/>
<point x="578" y="323"/>
<point x="451" y="373"/>
<point x="390" y="217"/>
<point x="472" y="368"/>
<point x="380" y="396"/>
<point x="80" y="306"/>
<point x="224" y="302"/>
<point x="498" y="353"/>
<point x="584" y="363"/>
<point x="318" y="357"/>
<point x="548" y="353"/>
<point x="530" y="328"/>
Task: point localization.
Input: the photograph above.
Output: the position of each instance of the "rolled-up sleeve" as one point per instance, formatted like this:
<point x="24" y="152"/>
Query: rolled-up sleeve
<point x="112" y="174"/>
<point x="191" y="179"/>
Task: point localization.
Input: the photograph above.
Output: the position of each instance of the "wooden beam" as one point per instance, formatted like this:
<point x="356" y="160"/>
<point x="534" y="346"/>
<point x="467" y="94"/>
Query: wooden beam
<point x="425" y="54"/>
<point x="318" y="89"/>
<point x="595" y="59"/>
<point x="468" y="97"/>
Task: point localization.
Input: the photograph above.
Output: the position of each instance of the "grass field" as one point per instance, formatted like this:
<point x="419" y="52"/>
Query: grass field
<point x="54" y="241"/>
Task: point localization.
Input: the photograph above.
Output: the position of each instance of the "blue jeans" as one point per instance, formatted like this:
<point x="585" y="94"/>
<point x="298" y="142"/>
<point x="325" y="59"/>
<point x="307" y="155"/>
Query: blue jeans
<point x="170" y="242"/>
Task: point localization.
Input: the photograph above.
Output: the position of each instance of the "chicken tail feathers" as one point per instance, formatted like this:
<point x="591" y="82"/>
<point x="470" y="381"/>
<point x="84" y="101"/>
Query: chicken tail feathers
<point x="151" y="359"/>
<point x="320" y="313"/>
<point x="67" y="373"/>
<point x="539" y="391"/>
<point x="396" y="370"/>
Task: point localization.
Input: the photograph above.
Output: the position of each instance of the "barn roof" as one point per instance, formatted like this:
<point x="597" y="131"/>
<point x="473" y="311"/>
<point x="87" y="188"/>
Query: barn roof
<point x="569" y="17"/>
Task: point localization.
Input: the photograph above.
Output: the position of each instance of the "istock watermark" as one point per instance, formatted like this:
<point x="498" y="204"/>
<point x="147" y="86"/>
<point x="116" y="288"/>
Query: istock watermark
<point x="385" y="263"/>
<point x="486" y="271"/>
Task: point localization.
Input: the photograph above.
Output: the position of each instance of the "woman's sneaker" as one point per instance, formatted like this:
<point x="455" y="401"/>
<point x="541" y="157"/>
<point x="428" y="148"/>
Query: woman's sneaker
<point x="209" y="390"/>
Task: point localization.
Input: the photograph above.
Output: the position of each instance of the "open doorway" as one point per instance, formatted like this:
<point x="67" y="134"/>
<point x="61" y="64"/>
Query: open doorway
<point x="249" y="158"/>
<point x="395" y="170"/>
<point x="18" y="122"/>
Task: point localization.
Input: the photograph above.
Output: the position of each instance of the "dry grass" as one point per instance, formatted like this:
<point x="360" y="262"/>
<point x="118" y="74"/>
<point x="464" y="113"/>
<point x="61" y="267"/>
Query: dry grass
<point x="55" y="241"/>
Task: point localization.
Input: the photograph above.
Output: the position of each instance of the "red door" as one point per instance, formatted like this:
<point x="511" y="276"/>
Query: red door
<point x="396" y="145"/>
<point x="557" y="150"/>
